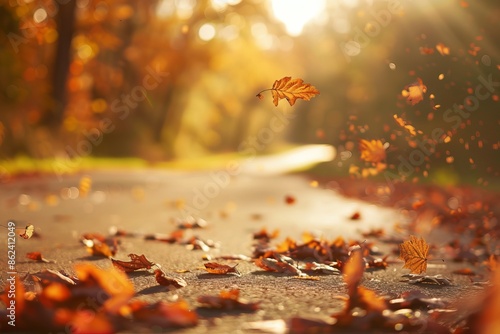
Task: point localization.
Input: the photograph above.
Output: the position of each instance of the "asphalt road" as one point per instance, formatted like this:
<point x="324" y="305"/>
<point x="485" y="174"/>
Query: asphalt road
<point x="150" y="201"/>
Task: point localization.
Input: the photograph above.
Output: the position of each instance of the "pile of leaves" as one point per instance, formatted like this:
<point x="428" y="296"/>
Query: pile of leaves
<point x="94" y="300"/>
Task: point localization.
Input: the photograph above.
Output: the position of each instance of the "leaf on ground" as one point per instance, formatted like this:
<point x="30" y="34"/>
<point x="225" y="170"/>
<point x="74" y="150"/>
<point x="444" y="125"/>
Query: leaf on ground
<point x="291" y="90"/>
<point x="269" y="264"/>
<point x="319" y="268"/>
<point x="416" y="300"/>
<point x="113" y="281"/>
<point x="37" y="256"/>
<point x="28" y="232"/>
<point x="191" y="222"/>
<point x="175" y="282"/>
<point x="414" y="253"/>
<point x="221" y="269"/>
<point x="426" y="279"/>
<point x="163" y="314"/>
<point x="264" y="235"/>
<point x="174" y="237"/>
<point x="136" y="262"/>
<point x="228" y="301"/>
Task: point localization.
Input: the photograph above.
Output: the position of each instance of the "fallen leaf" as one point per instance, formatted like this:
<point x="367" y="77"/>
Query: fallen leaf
<point x="263" y="234"/>
<point x="37" y="256"/>
<point x="414" y="253"/>
<point x="136" y="262"/>
<point x="291" y="90"/>
<point x="425" y="279"/>
<point x="221" y="269"/>
<point x="274" y="265"/>
<point x="163" y="314"/>
<point x="28" y="232"/>
<point x="228" y="301"/>
<point x="169" y="281"/>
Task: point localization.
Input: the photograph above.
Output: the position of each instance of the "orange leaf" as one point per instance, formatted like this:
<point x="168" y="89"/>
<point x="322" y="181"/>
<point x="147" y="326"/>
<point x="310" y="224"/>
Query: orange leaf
<point x="169" y="281"/>
<point x="37" y="256"/>
<point x="220" y="269"/>
<point x="408" y="127"/>
<point x="443" y="49"/>
<point x="291" y="90"/>
<point x="372" y="151"/>
<point x="136" y="262"/>
<point x="353" y="271"/>
<point x="228" y="300"/>
<point x="414" y="253"/>
<point x="414" y="92"/>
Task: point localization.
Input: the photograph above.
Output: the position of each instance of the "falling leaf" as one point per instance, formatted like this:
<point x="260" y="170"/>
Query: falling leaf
<point x="414" y="253"/>
<point x="426" y="51"/>
<point x="290" y="200"/>
<point x="28" y="232"/>
<point x="229" y="301"/>
<point x="372" y="151"/>
<point x="414" y="92"/>
<point x="37" y="256"/>
<point x="169" y="281"/>
<point x="405" y="125"/>
<point x="443" y="49"/>
<point x="85" y="185"/>
<point x="136" y="262"/>
<point x="355" y="216"/>
<point x="291" y="90"/>
<point x="353" y="271"/>
<point x="220" y="269"/>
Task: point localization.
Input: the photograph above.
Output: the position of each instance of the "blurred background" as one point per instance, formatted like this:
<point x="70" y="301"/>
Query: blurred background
<point x="163" y="80"/>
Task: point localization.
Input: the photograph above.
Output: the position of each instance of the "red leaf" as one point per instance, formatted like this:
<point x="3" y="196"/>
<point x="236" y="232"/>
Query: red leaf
<point x="169" y="281"/>
<point x="137" y="262"/>
<point x="220" y="269"/>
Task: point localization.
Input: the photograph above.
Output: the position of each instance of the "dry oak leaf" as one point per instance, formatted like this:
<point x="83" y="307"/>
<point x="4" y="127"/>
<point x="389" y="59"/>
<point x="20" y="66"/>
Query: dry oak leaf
<point x="220" y="269"/>
<point x="169" y="281"/>
<point x="136" y="262"/>
<point x="291" y="90"/>
<point x="372" y="151"/>
<point x="414" y="253"/>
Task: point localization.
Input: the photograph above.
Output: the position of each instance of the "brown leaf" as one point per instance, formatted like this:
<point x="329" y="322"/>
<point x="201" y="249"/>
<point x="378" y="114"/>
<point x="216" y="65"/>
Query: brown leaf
<point x="169" y="281"/>
<point x="28" y="232"/>
<point x="37" y="256"/>
<point x="414" y="253"/>
<point x="220" y="269"/>
<point x="291" y="90"/>
<point x="269" y="264"/>
<point x="353" y="271"/>
<point x="229" y="301"/>
<point x="136" y="262"/>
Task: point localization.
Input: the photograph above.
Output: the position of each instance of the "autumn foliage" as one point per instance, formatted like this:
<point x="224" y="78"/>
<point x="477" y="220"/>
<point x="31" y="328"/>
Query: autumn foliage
<point x="291" y="90"/>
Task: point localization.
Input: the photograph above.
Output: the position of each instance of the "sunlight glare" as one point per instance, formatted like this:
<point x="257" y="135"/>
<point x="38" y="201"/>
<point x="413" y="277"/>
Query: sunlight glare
<point x="295" y="14"/>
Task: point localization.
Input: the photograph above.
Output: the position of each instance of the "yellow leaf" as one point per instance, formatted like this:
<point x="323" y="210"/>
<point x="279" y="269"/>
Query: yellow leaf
<point x="372" y="151"/>
<point x="414" y="253"/>
<point x="291" y="90"/>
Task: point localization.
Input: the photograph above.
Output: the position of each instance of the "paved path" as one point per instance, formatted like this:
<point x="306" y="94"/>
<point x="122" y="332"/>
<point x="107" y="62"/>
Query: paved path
<point x="148" y="201"/>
